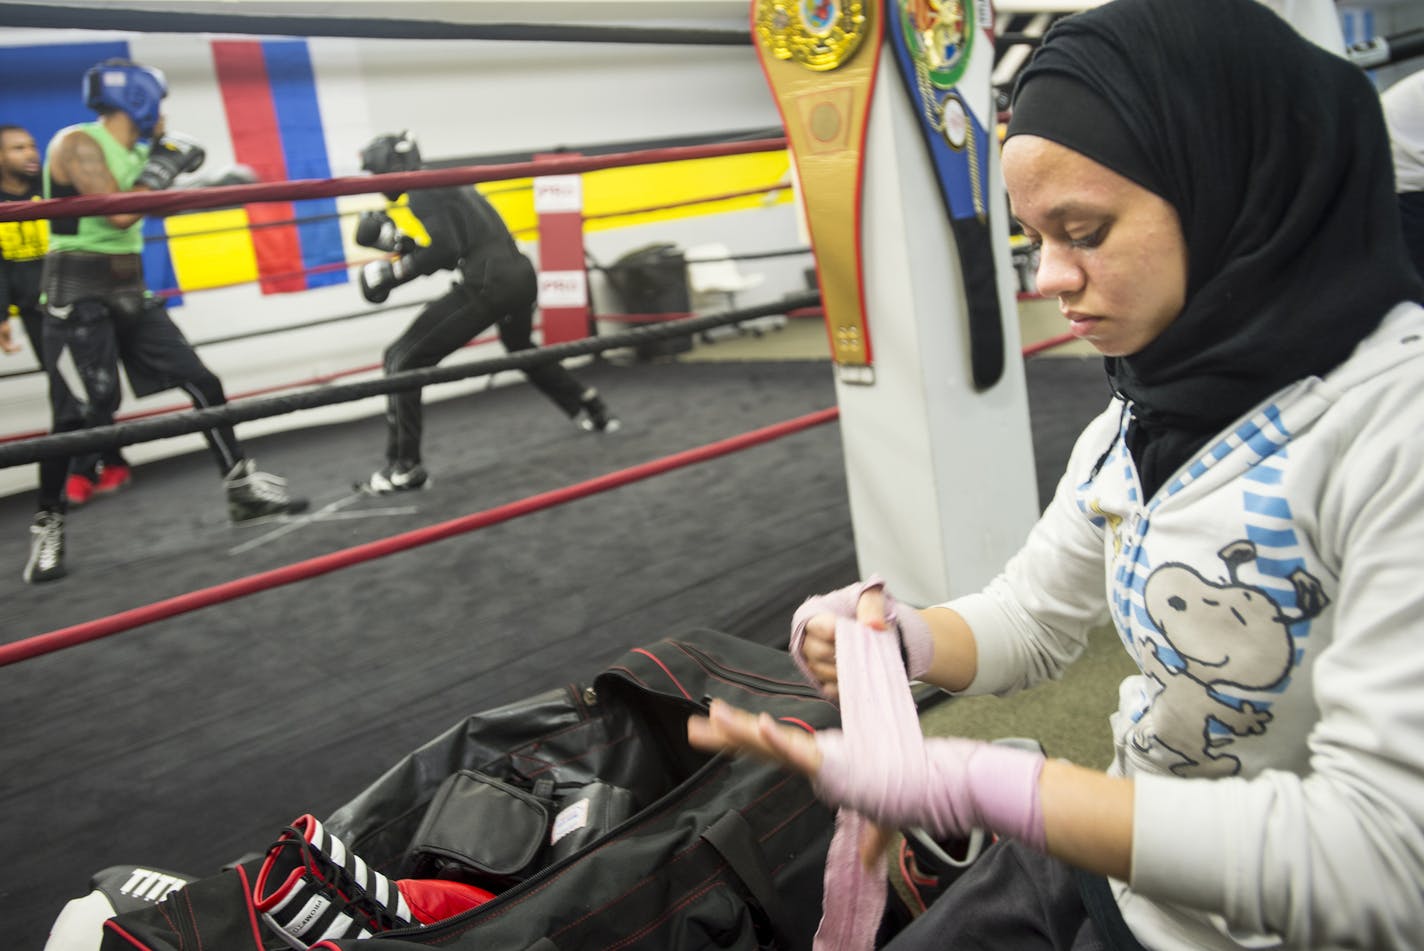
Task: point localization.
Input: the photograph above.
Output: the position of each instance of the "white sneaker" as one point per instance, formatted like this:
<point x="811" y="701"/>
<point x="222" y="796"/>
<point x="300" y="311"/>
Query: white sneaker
<point x="395" y="478"/>
<point x="46" y="549"/>
<point x="593" y="415"/>
<point x="252" y="494"/>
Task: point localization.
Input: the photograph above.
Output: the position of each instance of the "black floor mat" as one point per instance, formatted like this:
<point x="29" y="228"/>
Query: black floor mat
<point x="195" y="739"/>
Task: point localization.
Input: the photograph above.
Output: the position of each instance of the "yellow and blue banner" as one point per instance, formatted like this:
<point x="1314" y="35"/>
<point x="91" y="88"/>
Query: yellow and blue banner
<point x="288" y="108"/>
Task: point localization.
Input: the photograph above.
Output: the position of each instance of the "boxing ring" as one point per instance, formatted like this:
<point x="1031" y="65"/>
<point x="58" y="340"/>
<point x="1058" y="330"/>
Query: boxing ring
<point x="268" y="670"/>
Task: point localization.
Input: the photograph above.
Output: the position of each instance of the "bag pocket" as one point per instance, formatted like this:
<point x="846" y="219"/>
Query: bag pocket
<point x="480" y="829"/>
<point x="585" y="813"/>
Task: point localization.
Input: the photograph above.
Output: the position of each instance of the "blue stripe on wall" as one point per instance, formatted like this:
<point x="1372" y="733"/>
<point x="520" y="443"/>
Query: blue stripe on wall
<point x="289" y="71"/>
<point x="42" y="89"/>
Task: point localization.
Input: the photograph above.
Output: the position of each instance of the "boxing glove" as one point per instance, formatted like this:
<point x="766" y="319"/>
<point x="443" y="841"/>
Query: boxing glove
<point x="172" y="155"/>
<point x="435" y="899"/>
<point x="375" y="229"/>
<point x="378" y="277"/>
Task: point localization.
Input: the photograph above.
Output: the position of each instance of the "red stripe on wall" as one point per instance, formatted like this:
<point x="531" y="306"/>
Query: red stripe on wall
<point x="257" y="142"/>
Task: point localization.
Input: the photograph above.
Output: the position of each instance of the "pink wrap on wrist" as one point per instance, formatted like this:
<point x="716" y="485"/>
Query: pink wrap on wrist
<point x="916" y="641"/>
<point x="958" y="785"/>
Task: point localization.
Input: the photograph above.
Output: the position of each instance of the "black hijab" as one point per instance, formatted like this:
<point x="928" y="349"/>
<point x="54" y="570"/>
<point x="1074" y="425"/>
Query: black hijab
<point x="1275" y="155"/>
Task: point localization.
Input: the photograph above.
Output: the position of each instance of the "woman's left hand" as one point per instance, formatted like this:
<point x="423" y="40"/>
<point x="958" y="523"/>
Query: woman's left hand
<point x="740" y="731"/>
<point x="736" y="730"/>
<point x="729" y="728"/>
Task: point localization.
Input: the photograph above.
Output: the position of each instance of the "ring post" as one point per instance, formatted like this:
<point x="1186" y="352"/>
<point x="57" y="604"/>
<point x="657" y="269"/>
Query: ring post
<point x="936" y="439"/>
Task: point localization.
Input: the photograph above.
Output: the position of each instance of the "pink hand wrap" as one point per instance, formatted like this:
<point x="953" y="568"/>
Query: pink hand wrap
<point x="915" y="637"/>
<point x="955" y="785"/>
<point x="880" y="765"/>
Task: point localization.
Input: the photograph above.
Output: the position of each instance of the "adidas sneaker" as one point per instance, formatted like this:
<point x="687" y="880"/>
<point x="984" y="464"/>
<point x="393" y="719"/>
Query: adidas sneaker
<point x="311" y="888"/>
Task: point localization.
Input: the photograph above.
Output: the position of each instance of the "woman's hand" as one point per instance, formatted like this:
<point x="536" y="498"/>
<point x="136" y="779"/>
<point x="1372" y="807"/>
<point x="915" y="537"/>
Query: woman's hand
<point x="729" y="728"/>
<point x="818" y="654"/>
<point x="732" y="729"/>
<point x="813" y="631"/>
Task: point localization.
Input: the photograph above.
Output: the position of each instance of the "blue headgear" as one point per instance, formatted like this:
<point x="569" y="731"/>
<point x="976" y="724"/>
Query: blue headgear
<point x="128" y="87"/>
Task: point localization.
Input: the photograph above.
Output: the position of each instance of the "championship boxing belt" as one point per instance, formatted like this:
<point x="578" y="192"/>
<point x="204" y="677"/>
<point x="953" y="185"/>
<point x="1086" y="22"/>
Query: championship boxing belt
<point x="820" y="58"/>
<point x="945" y="54"/>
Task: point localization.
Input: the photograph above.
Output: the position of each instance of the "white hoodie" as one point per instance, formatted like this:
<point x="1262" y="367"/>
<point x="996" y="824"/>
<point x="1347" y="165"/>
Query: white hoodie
<point x="1272" y="593"/>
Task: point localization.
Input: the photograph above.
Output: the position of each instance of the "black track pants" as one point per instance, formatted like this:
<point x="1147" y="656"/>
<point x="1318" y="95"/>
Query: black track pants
<point x="441" y="328"/>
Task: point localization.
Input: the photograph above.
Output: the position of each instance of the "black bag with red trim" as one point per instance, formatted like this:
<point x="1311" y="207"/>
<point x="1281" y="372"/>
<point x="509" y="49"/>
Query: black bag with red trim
<point x="649" y="844"/>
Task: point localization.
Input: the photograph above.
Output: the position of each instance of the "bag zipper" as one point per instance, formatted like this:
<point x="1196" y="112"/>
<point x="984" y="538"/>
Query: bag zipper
<point x="745" y="679"/>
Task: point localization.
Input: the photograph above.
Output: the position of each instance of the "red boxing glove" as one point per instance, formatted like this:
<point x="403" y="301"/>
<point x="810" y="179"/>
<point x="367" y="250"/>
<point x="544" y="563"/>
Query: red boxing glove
<point x="435" y="899"/>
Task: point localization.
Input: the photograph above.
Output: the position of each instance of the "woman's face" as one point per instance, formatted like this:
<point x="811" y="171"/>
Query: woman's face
<point x="1111" y="251"/>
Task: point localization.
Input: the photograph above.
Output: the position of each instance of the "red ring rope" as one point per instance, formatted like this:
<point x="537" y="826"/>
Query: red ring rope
<point x="221" y="196"/>
<point x="300" y="571"/>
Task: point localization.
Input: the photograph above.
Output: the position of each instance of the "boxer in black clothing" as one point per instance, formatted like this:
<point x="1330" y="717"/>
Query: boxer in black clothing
<point x="496" y="286"/>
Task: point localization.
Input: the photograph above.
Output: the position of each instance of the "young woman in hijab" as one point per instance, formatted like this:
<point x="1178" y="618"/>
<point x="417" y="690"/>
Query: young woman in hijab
<point x="1214" y="203"/>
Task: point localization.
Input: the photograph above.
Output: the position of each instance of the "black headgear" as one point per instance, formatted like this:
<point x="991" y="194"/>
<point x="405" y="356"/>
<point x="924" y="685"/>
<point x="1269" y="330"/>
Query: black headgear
<point x="391" y="153"/>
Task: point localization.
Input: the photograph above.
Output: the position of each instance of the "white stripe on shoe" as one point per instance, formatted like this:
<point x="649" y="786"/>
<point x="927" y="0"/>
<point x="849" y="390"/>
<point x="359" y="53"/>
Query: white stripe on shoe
<point x="342" y="927"/>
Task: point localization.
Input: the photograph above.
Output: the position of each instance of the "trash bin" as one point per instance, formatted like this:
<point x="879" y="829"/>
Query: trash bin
<point x="653" y="280"/>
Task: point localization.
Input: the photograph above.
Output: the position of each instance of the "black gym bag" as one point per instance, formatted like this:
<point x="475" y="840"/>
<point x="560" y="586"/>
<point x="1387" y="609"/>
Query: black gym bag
<point x="668" y="848"/>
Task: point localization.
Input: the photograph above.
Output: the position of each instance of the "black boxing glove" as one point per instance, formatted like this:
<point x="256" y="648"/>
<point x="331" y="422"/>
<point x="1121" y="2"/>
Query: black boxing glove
<point x="172" y="155"/>
<point x="378" y="277"/>
<point x="375" y="229"/>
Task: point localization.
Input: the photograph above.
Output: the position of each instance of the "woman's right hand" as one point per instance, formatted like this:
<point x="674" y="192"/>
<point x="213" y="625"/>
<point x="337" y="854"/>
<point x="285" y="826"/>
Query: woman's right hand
<point x="817" y="655"/>
<point x="813" y="634"/>
<point x="813" y="631"/>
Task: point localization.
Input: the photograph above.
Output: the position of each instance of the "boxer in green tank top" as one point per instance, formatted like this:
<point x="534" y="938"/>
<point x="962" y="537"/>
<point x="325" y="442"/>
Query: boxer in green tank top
<point x="98" y="311"/>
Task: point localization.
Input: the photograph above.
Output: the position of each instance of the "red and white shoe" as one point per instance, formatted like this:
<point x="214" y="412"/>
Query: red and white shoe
<point x="312" y="888"/>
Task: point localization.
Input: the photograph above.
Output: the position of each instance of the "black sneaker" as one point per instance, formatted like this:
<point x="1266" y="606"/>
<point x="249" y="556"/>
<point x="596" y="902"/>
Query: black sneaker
<point x="312" y="888"/>
<point x="46" y="548"/>
<point x="396" y="477"/>
<point x="252" y="494"/>
<point x="593" y="415"/>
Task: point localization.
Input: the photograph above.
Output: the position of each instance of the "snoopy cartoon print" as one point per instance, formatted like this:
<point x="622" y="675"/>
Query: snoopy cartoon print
<point x="1226" y="636"/>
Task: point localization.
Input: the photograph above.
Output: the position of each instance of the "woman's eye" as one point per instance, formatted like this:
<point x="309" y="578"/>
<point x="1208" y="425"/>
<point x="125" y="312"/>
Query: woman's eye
<point x="1090" y="240"/>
